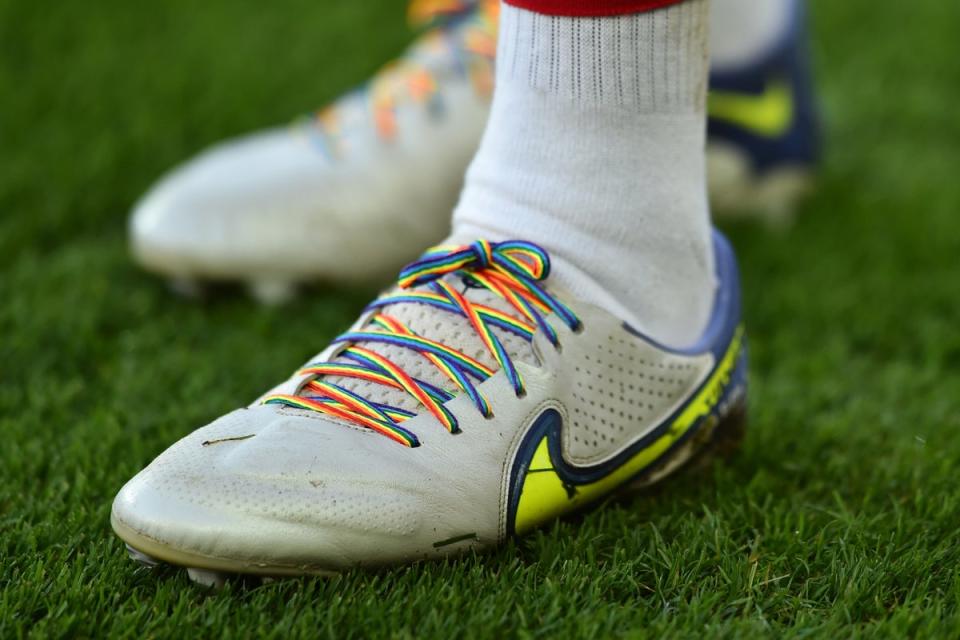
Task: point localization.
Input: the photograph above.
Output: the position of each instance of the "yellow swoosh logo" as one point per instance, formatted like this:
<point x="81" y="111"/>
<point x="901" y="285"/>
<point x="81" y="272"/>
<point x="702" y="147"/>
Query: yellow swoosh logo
<point x="544" y="495"/>
<point x="768" y="114"/>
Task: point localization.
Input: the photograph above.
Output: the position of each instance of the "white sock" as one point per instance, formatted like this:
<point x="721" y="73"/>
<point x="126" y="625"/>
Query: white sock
<point x="595" y="150"/>
<point x="742" y="31"/>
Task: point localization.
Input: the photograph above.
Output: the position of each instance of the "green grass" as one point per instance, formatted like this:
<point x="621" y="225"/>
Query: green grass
<point x="840" y="518"/>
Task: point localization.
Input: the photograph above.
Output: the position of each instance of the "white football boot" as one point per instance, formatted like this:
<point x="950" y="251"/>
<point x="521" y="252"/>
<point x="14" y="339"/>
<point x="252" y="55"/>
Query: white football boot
<point x="472" y="403"/>
<point x="376" y="174"/>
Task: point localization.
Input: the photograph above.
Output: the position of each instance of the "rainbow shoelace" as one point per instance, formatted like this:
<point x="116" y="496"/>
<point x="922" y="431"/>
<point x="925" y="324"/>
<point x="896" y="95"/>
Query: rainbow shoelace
<point x="463" y="32"/>
<point x="511" y="270"/>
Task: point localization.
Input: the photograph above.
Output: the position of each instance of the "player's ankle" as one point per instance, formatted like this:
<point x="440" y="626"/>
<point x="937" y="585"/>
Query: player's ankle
<point x="597" y="155"/>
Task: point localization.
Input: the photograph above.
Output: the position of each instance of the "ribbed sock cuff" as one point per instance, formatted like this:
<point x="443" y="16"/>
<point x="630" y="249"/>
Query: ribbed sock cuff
<point x="654" y="63"/>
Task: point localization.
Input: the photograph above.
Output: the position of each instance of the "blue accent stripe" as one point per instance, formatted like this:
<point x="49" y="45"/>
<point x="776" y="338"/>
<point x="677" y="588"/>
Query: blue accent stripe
<point x="549" y="424"/>
<point x="716" y="339"/>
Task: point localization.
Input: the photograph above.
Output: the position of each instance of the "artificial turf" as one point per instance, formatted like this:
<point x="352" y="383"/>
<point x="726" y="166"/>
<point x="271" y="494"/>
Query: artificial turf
<point x="841" y="516"/>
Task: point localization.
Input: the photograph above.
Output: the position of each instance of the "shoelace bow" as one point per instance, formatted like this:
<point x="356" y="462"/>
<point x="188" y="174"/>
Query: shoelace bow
<point x="512" y="270"/>
<point x="475" y="51"/>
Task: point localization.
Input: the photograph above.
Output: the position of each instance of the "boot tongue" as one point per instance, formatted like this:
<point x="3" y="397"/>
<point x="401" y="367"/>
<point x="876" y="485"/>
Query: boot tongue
<point x="450" y="329"/>
<point x="459" y="40"/>
<point x="453" y="37"/>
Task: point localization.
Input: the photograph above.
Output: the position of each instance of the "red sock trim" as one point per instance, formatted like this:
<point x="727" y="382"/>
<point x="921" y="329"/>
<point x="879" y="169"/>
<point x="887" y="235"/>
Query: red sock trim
<point x="585" y="8"/>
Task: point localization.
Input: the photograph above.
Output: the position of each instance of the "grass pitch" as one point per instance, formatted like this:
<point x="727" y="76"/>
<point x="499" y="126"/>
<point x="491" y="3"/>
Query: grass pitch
<point x="840" y="518"/>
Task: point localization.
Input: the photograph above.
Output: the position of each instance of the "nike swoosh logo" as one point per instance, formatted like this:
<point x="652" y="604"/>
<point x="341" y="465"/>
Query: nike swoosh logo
<point x="769" y="114"/>
<point x="544" y="486"/>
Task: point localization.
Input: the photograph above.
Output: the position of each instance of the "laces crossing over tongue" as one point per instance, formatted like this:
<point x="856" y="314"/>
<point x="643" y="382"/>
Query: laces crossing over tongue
<point x="460" y="40"/>
<point x="510" y="270"/>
